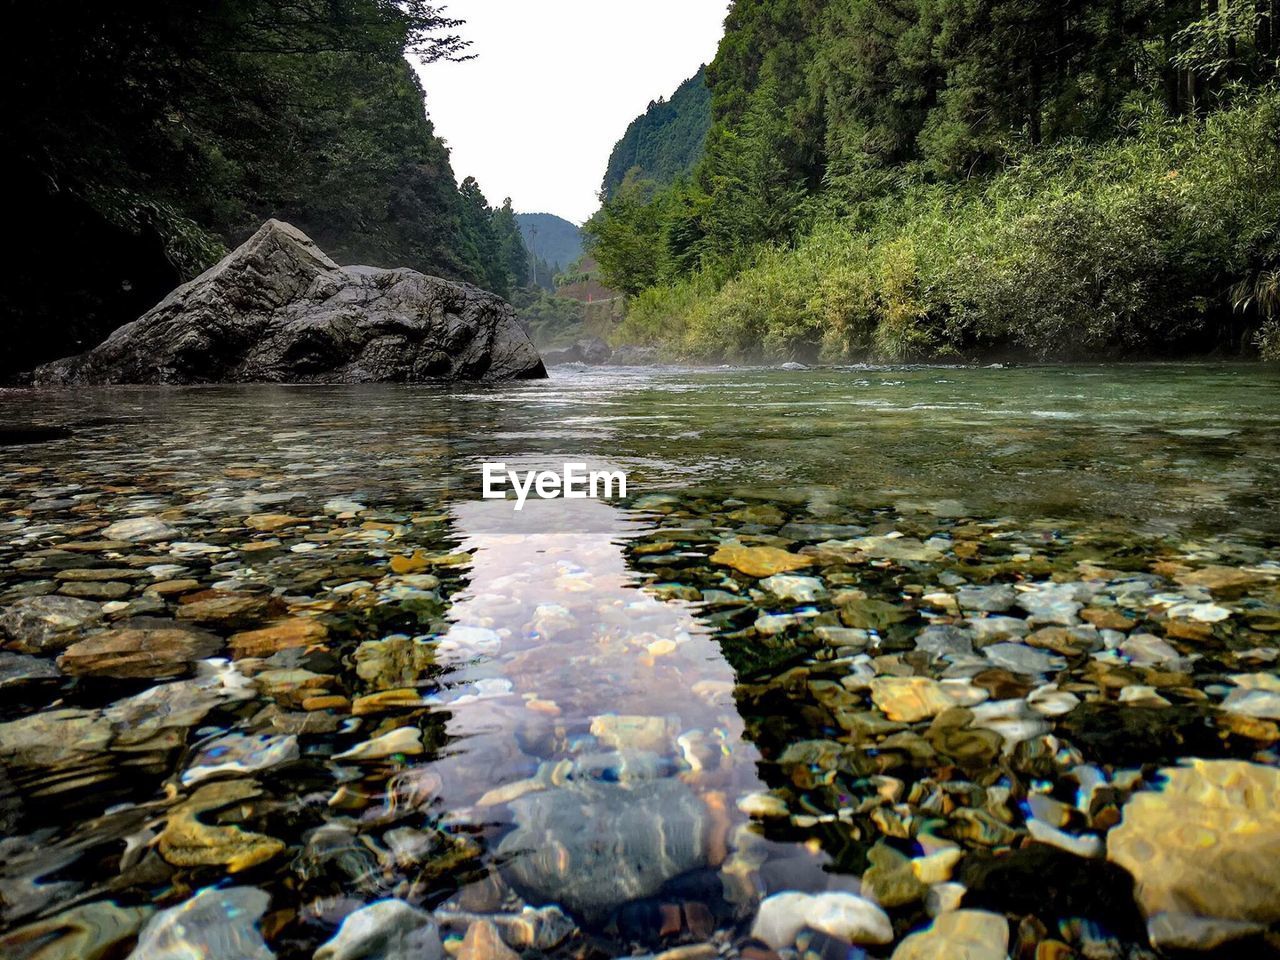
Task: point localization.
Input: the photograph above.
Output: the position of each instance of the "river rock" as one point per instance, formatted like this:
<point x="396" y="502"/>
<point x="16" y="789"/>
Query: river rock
<point x="94" y="931"/>
<point x="237" y="753"/>
<point x="282" y="635"/>
<point x="847" y="916"/>
<point x="958" y="935"/>
<point x="1204" y="847"/>
<point x="276" y="309"/>
<point x="909" y="699"/>
<point x="591" y="846"/>
<point x="140" y="530"/>
<point x="142" y="648"/>
<point x="385" y="930"/>
<point x="17" y="669"/>
<point x="483" y="942"/>
<point x="187" y="841"/>
<point x="47" y="624"/>
<point x="759" y="561"/>
<point x="213" y="925"/>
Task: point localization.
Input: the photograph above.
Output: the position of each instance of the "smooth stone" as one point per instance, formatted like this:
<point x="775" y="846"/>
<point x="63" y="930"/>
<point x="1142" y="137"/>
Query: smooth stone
<point x="139" y="530"/>
<point x="1205" y="845"/>
<point x="989" y="599"/>
<point x="385" y="930"/>
<point x="763" y="806"/>
<point x="1147" y="650"/>
<point x="958" y="935"/>
<point x="483" y="942"/>
<point x="141" y="648"/>
<point x="1085" y="845"/>
<point x="394" y="662"/>
<point x="593" y="845"/>
<point x="406" y="741"/>
<point x="891" y="877"/>
<point x="95" y="590"/>
<point x="223" y="607"/>
<point x="842" y="636"/>
<point x="798" y="589"/>
<point x="1049" y="701"/>
<point x="1199" y="612"/>
<point x="941" y="640"/>
<point x="1260" y="704"/>
<point x="240" y="753"/>
<point x="909" y="699"/>
<point x="188" y="841"/>
<point x="1019" y="658"/>
<point x="759" y="562"/>
<point x="94" y="931"/>
<point x="848" y="916"/>
<point x="1053" y="602"/>
<point x="989" y="629"/>
<point x="654" y="734"/>
<point x="281" y="635"/>
<point x="215" y="924"/>
<point x="47" y="624"/>
<point x="943" y="898"/>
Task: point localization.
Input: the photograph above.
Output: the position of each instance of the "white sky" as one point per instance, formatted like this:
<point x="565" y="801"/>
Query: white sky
<point x="553" y="87"/>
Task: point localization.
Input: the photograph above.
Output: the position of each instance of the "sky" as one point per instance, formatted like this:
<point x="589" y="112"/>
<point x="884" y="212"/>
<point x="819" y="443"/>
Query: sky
<point x="553" y="87"/>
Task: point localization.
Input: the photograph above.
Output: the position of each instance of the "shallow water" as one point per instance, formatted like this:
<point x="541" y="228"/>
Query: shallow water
<point x="1008" y="600"/>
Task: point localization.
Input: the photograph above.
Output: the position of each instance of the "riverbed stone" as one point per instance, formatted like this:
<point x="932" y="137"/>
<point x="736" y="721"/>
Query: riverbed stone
<point x="94" y="931"/>
<point x="759" y="562"/>
<point x="48" y="624"/>
<point x="215" y="924"/>
<point x="909" y="699"/>
<point x="140" y="530"/>
<point x="141" y="648"/>
<point x="593" y="845"/>
<point x="385" y="930"/>
<point x="1206" y="845"/>
<point x="958" y="935"/>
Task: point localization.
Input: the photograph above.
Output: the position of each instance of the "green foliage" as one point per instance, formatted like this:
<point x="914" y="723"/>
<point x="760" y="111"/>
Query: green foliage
<point x="919" y="178"/>
<point x="666" y="140"/>
<point x="551" y="320"/>
<point x="1076" y="251"/>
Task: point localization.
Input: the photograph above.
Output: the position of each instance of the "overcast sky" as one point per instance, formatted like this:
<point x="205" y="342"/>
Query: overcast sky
<point x="554" y="85"/>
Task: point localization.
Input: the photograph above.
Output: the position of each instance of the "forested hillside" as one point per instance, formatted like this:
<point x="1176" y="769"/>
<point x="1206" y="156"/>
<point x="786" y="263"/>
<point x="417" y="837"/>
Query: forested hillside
<point x="932" y="178"/>
<point x="551" y="239"/>
<point x="666" y="140"/>
<point x="140" y="140"/>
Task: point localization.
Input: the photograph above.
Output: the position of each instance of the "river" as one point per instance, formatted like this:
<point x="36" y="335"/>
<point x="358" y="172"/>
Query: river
<point x="858" y="647"/>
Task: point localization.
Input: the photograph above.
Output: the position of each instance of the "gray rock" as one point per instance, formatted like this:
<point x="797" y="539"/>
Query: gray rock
<point x="1020" y="658"/>
<point x="214" y="925"/>
<point x="944" y="640"/>
<point x="588" y="350"/>
<point x="277" y="309"/>
<point x="385" y="930"/>
<point x="17" y="669"/>
<point x="992" y="599"/>
<point x="47" y="624"/>
<point x="592" y="846"/>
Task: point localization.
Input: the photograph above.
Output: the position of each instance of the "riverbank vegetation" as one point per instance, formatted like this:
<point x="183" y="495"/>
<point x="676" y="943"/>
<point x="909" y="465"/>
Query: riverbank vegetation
<point x="934" y="179"/>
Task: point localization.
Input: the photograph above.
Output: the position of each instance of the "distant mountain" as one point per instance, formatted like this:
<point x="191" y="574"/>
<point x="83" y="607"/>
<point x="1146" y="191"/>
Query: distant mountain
<point x="550" y="238"/>
<point x="667" y="140"/>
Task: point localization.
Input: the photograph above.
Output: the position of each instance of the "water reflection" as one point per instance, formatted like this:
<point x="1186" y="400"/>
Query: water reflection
<point x="593" y="731"/>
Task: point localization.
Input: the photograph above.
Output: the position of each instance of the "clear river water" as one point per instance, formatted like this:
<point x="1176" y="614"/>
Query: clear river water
<point x="868" y="662"/>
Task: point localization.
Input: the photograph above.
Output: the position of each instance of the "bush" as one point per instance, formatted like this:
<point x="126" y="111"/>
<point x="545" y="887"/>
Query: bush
<point x="1079" y="250"/>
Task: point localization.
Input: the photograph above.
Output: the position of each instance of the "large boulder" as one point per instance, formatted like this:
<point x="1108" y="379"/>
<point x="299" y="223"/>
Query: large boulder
<point x="276" y="309"/>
